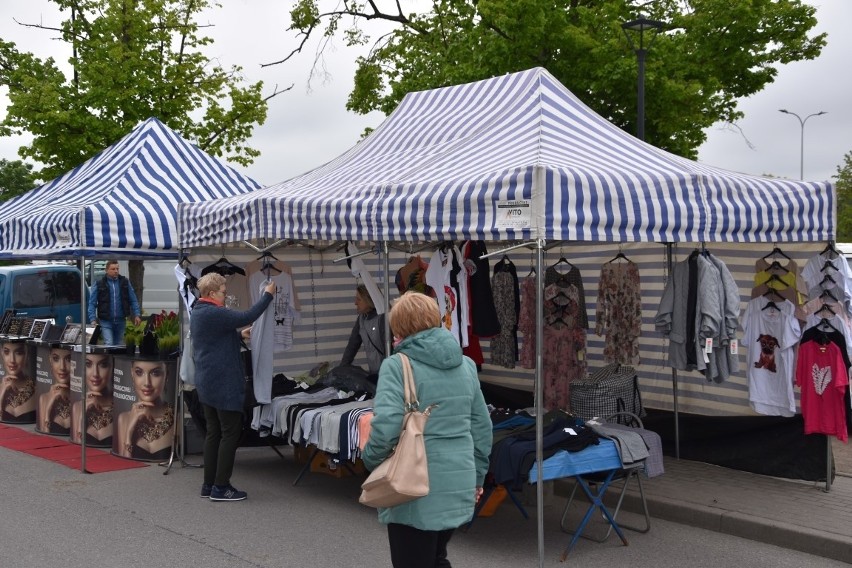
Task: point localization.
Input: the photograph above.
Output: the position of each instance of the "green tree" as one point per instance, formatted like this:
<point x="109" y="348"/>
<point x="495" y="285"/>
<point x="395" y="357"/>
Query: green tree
<point x="130" y="60"/>
<point x="713" y="53"/>
<point x="16" y="177"/>
<point x="843" y="185"/>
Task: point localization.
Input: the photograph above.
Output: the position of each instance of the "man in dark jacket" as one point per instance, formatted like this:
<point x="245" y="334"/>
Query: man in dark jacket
<point x="111" y="301"/>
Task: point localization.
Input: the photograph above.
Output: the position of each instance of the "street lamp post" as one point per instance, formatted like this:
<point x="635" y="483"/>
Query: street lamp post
<point x="641" y="25"/>
<point x="802" y="122"/>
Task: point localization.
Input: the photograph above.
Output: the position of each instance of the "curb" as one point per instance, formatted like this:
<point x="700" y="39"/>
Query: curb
<point x="750" y="527"/>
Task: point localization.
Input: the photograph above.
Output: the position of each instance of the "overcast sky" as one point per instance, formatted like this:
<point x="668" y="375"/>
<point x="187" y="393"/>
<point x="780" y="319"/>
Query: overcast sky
<point x="310" y="126"/>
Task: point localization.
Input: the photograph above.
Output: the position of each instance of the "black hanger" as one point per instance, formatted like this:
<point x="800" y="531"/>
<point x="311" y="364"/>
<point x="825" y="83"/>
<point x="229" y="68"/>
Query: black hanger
<point x="823" y="323"/>
<point x="616" y="257"/>
<point x="562" y="260"/>
<point x="828" y="264"/>
<point x="827" y="278"/>
<point x="770" y="304"/>
<point x="830" y="248"/>
<point x="826" y="307"/>
<point x="776" y="278"/>
<point x="777" y="266"/>
<point x="774" y="292"/>
<point x="268" y="263"/>
<point x="829" y="294"/>
<point x="183" y="260"/>
<point x="224" y="267"/>
<point x="776" y="252"/>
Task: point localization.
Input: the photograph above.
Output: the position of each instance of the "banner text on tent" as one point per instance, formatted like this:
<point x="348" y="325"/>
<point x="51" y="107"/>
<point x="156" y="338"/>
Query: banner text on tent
<point x="513" y="214"/>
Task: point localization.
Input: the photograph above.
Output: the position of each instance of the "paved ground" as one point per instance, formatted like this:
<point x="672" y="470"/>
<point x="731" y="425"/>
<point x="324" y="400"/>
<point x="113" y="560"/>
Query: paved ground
<point x="842" y="457"/>
<point x="53" y="515"/>
<point x="797" y="515"/>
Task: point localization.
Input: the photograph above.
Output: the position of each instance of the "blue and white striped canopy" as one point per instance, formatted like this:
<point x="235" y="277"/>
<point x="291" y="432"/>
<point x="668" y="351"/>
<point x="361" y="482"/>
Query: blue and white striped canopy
<point x="514" y="157"/>
<point x="121" y="202"/>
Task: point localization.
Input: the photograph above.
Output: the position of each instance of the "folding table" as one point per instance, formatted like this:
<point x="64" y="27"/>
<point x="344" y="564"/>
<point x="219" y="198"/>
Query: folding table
<point x="603" y="459"/>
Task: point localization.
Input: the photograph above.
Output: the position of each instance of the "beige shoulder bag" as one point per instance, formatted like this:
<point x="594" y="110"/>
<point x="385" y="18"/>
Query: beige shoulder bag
<point x="404" y="476"/>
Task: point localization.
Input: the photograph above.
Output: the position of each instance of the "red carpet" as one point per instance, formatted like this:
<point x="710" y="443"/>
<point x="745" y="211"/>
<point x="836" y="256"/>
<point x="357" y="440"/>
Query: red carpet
<point x="61" y="451"/>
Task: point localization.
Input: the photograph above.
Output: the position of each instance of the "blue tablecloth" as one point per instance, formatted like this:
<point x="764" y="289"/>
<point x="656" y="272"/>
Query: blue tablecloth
<point x="602" y="457"/>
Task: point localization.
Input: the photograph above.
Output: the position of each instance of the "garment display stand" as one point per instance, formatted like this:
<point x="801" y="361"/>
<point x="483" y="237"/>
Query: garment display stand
<point x="178" y="443"/>
<point x="602" y="459"/>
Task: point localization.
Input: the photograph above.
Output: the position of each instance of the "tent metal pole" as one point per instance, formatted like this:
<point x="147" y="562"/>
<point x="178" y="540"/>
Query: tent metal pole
<point x="669" y="266"/>
<point x="362" y="253"/>
<point x="539" y="389"/>
<point x="84" y="423"/>
<point x="385" y="253"/>
<point x="828" y="464"/>
<point x="507" y="249"/>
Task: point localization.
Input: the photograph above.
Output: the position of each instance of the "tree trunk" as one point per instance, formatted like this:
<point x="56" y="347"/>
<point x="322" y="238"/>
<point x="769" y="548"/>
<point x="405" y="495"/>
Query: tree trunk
<point x="136" y="269"/>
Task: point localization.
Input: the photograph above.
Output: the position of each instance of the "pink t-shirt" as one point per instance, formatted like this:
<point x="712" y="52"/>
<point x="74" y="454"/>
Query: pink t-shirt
<point x="821" y="375"/>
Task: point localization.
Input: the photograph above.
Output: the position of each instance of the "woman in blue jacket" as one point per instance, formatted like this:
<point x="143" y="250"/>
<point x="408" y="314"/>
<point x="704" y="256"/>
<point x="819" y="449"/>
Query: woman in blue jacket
<point x="458" y="433"/>
<point x="220" y="379"/>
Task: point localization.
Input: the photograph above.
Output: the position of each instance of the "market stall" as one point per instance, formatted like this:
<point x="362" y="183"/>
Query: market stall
<point x="519" y="160"/>
<point x="121" y="203"/>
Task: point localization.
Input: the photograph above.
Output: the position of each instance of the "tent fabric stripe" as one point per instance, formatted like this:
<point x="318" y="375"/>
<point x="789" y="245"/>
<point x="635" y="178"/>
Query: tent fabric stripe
<point x="128" y="195"/>
<point x="436" y="168"/>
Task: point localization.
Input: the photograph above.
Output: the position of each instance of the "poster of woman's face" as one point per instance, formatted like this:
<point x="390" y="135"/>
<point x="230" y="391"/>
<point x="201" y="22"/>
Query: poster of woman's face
<point x="98" y="372"/>
<point x="17" y="387"/>
<point x="54" y="366"/>
<point x="143" y="402"/>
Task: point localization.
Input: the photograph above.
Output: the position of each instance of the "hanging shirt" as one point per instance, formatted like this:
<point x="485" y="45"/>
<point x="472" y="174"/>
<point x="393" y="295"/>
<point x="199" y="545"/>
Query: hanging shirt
<point x="619" y="312"/>
<point x="187" y="286"/>
<point x="262" y="339"/>
<point x="770" y="336"/>
<point x="827" y="272"/>
<point x="443" y="277"/>
<point x="284" y="312"/>
<point x="823" y="378"/>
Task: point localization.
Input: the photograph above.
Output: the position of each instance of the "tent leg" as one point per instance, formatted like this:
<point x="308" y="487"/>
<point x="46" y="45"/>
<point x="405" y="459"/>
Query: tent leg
<point x="539" y="393"/>
<point x="669" y="264"/>
<point x="829" y="458"/>
<point x="84" y="422"/>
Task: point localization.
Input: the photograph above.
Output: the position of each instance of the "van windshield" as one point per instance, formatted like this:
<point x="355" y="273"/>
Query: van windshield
<point x="46" y="289"/>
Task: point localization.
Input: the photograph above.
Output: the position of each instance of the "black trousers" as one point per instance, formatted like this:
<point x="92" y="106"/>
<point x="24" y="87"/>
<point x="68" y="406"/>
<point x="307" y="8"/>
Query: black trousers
<point x="415" y="548"/>
<point x="224" y="428"/>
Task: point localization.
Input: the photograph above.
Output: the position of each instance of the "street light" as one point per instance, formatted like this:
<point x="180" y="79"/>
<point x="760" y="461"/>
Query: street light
<point x="802" y="143"/>
<point x="641" y="25"/>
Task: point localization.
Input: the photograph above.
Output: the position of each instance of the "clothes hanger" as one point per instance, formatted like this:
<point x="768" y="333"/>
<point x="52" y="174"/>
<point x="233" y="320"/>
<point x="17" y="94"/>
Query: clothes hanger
<point x="774" y="292"/>
<point x="225" y="267"/>
<point x="777" y="266"/>
<point x="831" y="249"/>
<point x="829" y="294"/>
<point x="269" y="263"/>
<point x="828" y="308"/>
<point x="562" y="260"/>
<point x="776" y="252"/>
<point x="827" y="278"/>
<point x="620" y="255"/>
<point x="770" y="304"/>
<point x="776" y="278"/>
<point x="823" y="323"/>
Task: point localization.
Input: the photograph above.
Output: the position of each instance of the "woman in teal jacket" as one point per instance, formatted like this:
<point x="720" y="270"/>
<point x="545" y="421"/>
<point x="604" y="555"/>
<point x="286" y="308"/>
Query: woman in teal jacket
<point x="457" y="436"/>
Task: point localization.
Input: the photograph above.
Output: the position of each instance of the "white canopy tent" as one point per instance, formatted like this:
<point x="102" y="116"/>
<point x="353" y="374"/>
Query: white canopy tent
<point x="513" y="158"/>
<point x="122" y="202"/>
